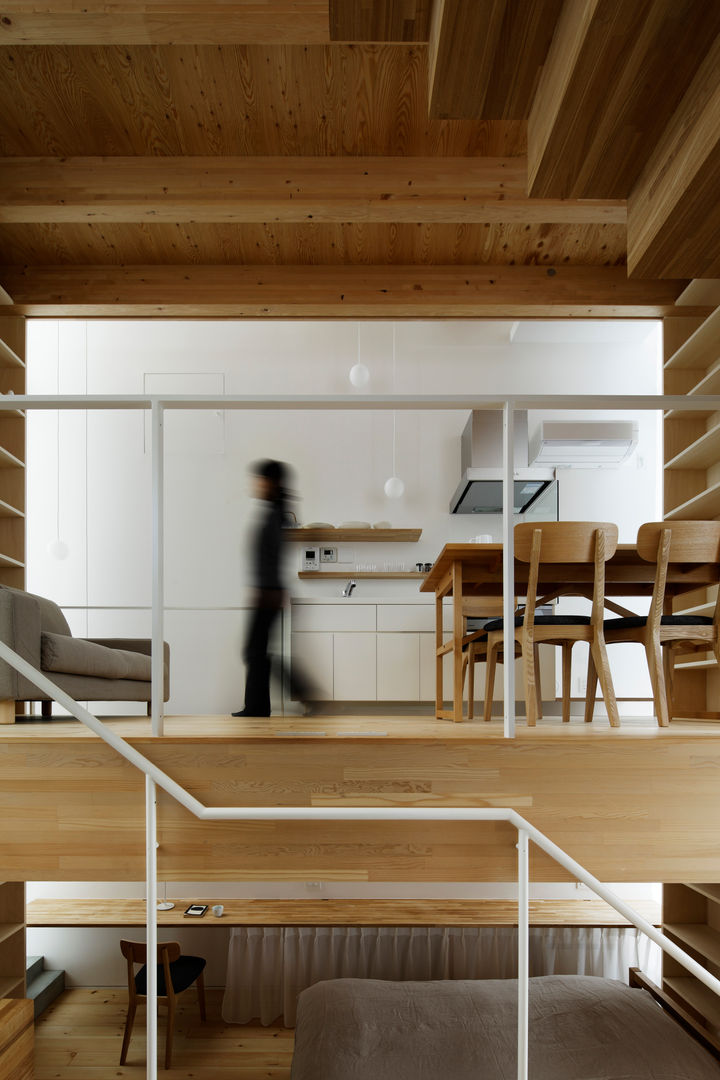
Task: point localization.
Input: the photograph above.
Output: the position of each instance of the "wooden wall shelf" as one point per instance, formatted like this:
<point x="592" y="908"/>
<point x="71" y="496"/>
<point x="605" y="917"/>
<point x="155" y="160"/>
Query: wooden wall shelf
<point x="317" y="575"/>
<point x="356" y="536"/>
<point x="701" y="507"/>
<point x="701" y="348"/>
<point x="701" y="454"/>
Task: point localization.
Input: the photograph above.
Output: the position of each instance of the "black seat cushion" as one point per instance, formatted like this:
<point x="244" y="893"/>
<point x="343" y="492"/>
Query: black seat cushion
<point x="183" y="972"/>
<point x="634" y="622"/>
<point x="544" y="620"/>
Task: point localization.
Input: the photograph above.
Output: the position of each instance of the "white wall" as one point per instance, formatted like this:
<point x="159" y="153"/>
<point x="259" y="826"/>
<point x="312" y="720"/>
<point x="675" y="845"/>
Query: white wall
<point x="92" y="470"/>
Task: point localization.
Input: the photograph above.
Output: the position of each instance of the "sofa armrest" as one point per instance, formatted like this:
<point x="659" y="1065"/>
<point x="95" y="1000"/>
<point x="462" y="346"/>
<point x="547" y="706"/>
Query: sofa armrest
<point x="20" y="624"/>
<point x="139" y="645"/>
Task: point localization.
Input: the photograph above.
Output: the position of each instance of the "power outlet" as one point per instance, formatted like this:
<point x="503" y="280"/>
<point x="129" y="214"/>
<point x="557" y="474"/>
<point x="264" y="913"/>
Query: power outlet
<point x="328" y="554"/>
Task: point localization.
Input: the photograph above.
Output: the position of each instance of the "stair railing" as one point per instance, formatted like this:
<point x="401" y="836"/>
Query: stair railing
<point x="155" y="777"/>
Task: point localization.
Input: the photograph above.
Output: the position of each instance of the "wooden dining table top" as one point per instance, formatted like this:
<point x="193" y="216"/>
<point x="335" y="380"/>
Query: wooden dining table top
<point x="626" y="574"/>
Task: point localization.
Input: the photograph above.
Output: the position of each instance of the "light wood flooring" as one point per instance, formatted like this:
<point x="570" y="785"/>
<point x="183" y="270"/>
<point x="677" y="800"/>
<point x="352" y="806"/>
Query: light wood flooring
<point x="203" y="729"/>
<point x="80" y="1035"/>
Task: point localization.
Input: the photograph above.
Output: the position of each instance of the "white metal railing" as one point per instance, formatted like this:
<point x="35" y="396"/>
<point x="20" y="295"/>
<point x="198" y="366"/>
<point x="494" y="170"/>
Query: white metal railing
<point x="155" y="777"/>
<point x="507" y="403"/>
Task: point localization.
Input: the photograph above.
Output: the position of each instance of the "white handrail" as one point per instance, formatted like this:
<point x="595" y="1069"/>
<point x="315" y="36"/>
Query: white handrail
<point x="526" y="832"/>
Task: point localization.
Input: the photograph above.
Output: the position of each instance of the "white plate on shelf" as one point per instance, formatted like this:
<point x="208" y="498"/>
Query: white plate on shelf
<point x="318" y="525"/>
<point x="355" y="525"/>
<point x="382" y="525"/>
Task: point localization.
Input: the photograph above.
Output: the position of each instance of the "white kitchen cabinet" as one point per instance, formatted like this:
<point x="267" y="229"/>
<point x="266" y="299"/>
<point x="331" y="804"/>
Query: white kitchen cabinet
<point x="398" y="667"/>
<point x="337" y="618"/>
<point x="427" y="668"/>
<point x="312" y="661"/>
<point x="354" y="667"/>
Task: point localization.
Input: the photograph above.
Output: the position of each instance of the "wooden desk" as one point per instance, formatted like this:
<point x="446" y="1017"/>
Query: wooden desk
<point x="337" y="912"/>
<point x="463" y="570"/>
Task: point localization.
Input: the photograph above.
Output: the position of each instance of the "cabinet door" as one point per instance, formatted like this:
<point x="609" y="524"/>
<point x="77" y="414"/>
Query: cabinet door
<point x="398" y="667"/>
<point x="354" y="667"/>
<point x="312" y="662"/>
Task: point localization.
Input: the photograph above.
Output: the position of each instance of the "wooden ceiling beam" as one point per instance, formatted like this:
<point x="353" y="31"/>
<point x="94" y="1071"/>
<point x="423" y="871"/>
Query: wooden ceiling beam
<point x="335" y="292"/>
<point x="379" y="20"/>
<point x="485" y="58"/>
<point x="276" y="189"/>
<point x="164" y="22"/>
<point x="674" y="209"/>
<point x="614" y="75"/>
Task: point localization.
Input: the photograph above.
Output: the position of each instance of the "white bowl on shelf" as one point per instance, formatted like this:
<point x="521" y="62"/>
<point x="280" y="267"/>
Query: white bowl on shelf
<point x="382" y="525"/>
<point x="355" y="525"/>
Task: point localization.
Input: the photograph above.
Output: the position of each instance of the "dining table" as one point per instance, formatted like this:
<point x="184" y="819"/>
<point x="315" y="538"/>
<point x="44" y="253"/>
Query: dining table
<point x="464" y="570"/>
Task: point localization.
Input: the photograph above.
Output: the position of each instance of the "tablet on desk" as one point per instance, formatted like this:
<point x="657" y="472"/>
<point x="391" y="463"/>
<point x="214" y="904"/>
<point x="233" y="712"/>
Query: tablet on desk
<point x="196" y="910"/>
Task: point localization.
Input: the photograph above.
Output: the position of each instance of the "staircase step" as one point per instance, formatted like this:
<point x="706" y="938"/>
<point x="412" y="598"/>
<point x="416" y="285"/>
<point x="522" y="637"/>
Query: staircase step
<point x="44" y="988"/>
<point x="33" y="966"/>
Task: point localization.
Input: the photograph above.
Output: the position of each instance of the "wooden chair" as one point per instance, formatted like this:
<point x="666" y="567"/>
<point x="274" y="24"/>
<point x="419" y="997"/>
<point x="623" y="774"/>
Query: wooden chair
<point x="475" y="646"/>
<point x="663" y="634"/>
<point x="175" y="974"/>
<point x="536" y="542"/>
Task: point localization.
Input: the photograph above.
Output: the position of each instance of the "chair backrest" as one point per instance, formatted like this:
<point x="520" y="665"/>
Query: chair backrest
<point x="587" y="542"/>
<point x="687" y="542"/>
<point x="476" y="607"/>
<point x="690" y="541"/>
<point x="565" y="541"/>
<point x="135" y="952"/>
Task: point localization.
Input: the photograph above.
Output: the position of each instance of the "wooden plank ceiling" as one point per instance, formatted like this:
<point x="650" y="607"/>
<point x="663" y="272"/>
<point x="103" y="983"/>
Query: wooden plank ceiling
<point x="347" y="158"/>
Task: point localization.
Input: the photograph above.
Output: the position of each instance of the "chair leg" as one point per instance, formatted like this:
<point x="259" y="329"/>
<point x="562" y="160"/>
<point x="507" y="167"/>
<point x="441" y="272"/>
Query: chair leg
<point x="538" y="688"/>
<point x="653" y="651"/>
<point x="669" y="669"/>
<point x="201" y="995"/>
<point x="566" y="648"/>
<point x="490" y="680"/>
<point x="528" y="656"/>
<point x="590" y="688"/>
<point x="471" y="681"/>
<point x="129" y="1022"/>
<point x="169" y="1032"/>
<point x="602" y="667"/>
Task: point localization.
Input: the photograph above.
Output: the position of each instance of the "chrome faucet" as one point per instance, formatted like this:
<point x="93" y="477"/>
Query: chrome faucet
<point x="347" y="591"/>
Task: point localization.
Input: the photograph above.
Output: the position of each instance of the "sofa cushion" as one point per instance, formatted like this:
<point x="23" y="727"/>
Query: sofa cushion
<point x="59" y="652"/>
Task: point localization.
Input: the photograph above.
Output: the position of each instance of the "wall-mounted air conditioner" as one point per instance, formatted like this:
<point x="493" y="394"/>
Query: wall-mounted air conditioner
<point x="580" y="444"/>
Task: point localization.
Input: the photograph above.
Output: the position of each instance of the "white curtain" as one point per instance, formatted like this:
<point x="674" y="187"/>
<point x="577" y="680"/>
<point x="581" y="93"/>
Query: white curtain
<point x="269" y="966"/>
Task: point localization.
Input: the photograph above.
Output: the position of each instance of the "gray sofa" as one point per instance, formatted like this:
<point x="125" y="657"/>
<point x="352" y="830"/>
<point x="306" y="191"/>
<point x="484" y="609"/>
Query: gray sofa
<point x="89" y="669"/>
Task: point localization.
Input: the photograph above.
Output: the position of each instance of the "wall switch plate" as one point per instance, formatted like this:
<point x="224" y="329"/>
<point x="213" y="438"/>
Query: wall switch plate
<point x="311" y="558"/>
<point x="328" y="554"/>
<point x="346" y="555"/>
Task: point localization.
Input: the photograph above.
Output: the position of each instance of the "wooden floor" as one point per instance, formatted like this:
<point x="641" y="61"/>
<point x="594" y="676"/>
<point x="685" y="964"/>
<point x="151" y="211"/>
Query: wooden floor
<point x="80" y="1035"/>
<point x="396" y="728"/>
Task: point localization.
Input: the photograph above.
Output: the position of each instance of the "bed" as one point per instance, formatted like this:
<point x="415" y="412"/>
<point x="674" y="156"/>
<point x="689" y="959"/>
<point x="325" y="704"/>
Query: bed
<point x="581" y="1028"/>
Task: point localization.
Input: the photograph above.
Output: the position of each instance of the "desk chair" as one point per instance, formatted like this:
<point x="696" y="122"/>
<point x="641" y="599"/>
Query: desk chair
<point x="666" y="635"/>
<point x="558" y="542"/>
<point x="175" y="974"/>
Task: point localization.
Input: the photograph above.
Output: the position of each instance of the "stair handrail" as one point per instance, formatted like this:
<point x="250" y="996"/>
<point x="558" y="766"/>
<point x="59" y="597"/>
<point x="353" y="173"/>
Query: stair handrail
<point x="526" y="832"/>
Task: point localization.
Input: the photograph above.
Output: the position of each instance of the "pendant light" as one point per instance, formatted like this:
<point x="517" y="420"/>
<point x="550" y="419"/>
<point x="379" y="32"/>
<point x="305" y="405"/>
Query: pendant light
<point x="394" y="487"/>
<point x="359" y="373"/>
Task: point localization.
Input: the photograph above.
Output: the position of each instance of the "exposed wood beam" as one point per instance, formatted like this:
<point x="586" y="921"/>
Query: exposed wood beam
<point x="458" y="89"/>
<point x="485" y="58"/>
<point x="379" y="20"/>
<point x="674" y="209"/>
<point x="276" y="189"/>
<point x="157" y="22"/>
<point x="335" y="291"/>
<point x="615" y="72"/>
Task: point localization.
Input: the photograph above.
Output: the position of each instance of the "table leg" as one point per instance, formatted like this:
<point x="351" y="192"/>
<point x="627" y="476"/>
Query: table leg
<point x="457" y="586"/>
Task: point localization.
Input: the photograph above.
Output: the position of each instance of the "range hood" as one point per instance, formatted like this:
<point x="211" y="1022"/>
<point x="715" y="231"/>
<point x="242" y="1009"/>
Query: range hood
<point x="480" y="490"/>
